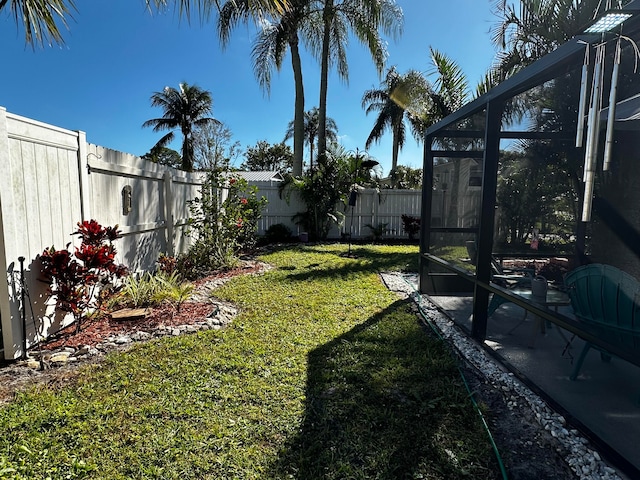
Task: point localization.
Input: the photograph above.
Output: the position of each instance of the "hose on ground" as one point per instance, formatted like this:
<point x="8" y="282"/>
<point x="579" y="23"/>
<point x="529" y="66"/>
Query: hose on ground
<point x="436" y="330"/>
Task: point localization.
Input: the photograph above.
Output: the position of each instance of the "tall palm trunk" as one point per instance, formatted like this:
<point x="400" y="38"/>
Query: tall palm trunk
<point x="395" y="151"/>
<point x="395" y="147"/>
<point x="298" y="116"/>
<point x="327" y="17"/>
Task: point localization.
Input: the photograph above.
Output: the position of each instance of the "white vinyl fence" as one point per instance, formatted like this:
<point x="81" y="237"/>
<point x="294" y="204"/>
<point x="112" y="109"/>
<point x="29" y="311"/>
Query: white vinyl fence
<point x="53" y="179"/>
<point x="372" y="208"/>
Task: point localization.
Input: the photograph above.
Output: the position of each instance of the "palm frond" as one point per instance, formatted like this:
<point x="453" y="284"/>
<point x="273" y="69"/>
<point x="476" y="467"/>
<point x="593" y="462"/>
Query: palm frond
<point x="41" y="18"/>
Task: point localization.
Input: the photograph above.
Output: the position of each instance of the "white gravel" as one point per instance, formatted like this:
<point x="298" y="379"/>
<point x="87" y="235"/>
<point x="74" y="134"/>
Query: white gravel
<point x="583" y="459"/>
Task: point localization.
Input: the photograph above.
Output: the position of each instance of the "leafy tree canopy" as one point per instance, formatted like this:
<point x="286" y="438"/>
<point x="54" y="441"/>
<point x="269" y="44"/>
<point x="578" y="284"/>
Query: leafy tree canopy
<point x="266" y="156"/>
<point x="163" y="156"/>
<point x="407" y="177"/>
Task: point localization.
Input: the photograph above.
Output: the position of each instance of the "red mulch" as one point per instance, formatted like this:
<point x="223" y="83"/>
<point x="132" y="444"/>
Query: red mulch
<point x="95" y="331"/>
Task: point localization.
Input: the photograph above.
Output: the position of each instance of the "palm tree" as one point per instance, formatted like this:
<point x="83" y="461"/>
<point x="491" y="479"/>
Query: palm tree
<point x="396" y="94"/>
<point x="269" y="50"/>
<point x="40" y="18"/>
<point x="205" y="7"/>
<point x="185" y="108"/>
<point x="448" y="93"/>
<point x="367" y="19"/>
<point x="537" y="27"/>
<point x="311" y="124"/>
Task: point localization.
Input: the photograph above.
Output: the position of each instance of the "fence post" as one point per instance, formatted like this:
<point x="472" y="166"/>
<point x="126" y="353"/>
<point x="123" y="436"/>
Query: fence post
<point x="168" y="210"/>
<point x="374" y="208"/>
<point x="83" y="176"/>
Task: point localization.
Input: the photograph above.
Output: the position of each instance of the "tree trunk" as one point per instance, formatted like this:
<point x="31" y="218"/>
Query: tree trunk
<point x="298" y="117"/>
<point x="324" y="80"/>
<point x="394" y="156"/>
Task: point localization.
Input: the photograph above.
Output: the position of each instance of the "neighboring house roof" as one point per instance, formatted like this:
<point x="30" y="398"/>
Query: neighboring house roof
<point x="262" y="176"/>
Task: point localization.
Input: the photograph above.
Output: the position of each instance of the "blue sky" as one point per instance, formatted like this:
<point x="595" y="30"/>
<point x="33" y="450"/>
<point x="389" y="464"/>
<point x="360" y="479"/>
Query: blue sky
<point x="116" y="54"/>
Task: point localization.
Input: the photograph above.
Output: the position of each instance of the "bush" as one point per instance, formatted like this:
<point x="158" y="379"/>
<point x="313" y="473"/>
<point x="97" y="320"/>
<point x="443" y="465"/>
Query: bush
<point x="151" y="290"/>
<point x="278" y="233"/>
<point x="223" y="226"/>
<point x="411" y="225"/>
<point x="377" y="231"/>
<point x="82" y="281"/>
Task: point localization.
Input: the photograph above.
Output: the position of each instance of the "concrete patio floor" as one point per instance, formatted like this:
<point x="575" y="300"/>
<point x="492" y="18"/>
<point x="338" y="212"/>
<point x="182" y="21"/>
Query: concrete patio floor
<point x="603" y="403"/>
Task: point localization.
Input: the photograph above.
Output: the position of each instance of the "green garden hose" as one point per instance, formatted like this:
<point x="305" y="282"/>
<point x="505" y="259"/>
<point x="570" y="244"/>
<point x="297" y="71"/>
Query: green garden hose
<point x="435" y="329"/>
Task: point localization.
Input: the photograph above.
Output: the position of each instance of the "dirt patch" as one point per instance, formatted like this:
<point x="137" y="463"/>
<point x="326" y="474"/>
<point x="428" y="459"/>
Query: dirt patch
<point x="528" y="452"/>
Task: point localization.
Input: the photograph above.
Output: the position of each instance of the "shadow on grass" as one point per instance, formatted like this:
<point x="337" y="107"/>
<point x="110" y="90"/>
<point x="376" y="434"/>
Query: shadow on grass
<point x="368" y="260"/>
<point x="385" y="401"/>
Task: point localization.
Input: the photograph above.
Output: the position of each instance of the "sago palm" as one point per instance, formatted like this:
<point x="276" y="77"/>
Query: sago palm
<point x="367" y="20"/>
<point x="185" y="108"/>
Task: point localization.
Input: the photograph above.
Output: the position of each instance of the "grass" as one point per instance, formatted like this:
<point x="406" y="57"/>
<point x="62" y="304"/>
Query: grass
<point x="325" y="374"/>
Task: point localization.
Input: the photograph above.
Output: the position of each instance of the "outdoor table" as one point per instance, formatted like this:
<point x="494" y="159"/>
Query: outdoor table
<point x="554" y="298"/>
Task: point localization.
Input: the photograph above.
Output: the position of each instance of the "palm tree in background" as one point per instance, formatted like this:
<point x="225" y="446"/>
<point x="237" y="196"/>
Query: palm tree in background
<point x="311" y="124"/>
<point x="367" y="20"/>
<point x="393" y="101"/>
<point x="448" y="93"/>
<point x="276" y="36"/>
<point x="185" y="108"/>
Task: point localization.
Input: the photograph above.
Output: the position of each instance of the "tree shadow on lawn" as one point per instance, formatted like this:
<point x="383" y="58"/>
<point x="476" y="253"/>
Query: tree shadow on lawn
<point x="383" y="401"/>
<point x="368" y="260"/>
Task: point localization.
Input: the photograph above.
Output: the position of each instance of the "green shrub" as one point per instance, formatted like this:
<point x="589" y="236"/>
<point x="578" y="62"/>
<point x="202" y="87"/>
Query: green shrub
<point x="148" y="290"/>
<point x="278" y="233"/>
<point x="377" y="231"/>
<point x="223" y="223"/>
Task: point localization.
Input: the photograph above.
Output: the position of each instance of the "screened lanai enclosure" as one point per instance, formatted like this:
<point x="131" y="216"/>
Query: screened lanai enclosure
<point x="531" y="181"/>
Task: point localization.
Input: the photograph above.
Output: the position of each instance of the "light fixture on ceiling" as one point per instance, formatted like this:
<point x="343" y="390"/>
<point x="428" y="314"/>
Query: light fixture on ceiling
<point x="608" y="21"/>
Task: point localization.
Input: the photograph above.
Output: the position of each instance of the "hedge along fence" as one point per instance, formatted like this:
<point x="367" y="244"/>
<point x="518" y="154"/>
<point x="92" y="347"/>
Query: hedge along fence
<point x="53" y="179"/>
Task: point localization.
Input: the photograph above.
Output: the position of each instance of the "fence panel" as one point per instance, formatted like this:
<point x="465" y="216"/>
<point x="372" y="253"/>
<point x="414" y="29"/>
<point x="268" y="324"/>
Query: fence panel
<point x="156" y="193"/>
<point x="53" y="180"/>
<point x="372" y="208"/>
<point x="40" y="206"/>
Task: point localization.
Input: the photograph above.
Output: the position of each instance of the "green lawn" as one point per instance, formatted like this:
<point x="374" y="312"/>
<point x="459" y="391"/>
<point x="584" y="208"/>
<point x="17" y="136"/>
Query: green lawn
<point x="325" y="374"/>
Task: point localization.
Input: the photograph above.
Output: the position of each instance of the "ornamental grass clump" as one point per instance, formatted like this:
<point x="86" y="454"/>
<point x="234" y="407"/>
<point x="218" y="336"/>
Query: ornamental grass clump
<point x="82" y="281"/>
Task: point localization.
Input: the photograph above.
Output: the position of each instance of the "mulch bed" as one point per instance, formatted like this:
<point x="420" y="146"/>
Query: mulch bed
<point x="96" y="330"/>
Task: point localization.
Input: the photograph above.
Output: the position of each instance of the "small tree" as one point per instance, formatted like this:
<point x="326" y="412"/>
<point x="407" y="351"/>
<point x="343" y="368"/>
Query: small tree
<point x="214" y="147"/>
<point x="79" y="281"/>
<point x="264" y="156"/>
